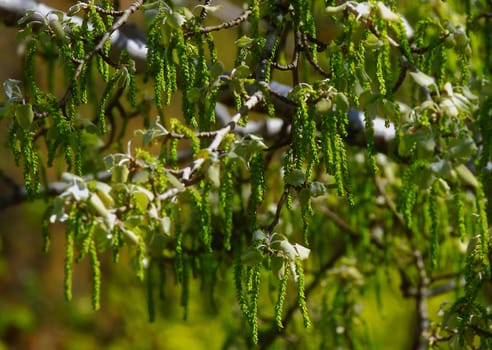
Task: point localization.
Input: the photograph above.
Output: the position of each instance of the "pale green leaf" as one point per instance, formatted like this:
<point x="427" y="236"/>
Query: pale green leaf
<point x="423" y="79"/>
<point x="466" y="176"/>
<point x="295" y="177"/>
<point x="24" y="115"/>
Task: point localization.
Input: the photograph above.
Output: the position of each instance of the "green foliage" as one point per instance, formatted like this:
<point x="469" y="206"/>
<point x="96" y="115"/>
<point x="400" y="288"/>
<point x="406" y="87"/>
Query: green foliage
<point x="199" y="194"/>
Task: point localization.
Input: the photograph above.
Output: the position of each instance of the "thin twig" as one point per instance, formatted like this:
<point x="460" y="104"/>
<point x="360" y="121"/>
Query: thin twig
<point x="225" y="25"/>
<point x="280" y="204"/>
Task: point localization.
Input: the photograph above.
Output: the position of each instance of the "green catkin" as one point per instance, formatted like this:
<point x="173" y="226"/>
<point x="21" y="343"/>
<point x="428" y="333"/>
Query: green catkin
<point x="132" y="84"/>
<point x="434" y="233"/>
<point x="170" y="69"/>
<point x="238" y="278"/>
<point x="306" y="215"/>
<point x="304" y="20"/>
<point x="107" y="5"/>
<point x="96" y="276"/>
<point x="371" y="147"/>
<point x="388" y="68"/>
<point x="86" y="241"/>
<point x="287" y="169"/>
<point x="29" y="72"/>
<point x="327" y="133"/>
<point x="338" y="146"/>
<point x="257" y="181"/>
<point x="179" y="243"/>
<point x="485" y="120"/>
<point x="464" y="68"/>
<point x="116" y="244"/>
<point x="150" y="291"/>
<point x="186" y="69"/>
<point x="351" y="70"/>
<point x="32" y="178"/>
<point x="345" y="172"/>
<point x="139" y="259"/>
<point x="78" y="51"/>
<point x="68" y="267"/>
<point x="380" y="72"/>
<point x="311" y="133"/>
<point x="303" y="132"/>
<point x="68" y="152"/>
<point x="74" y="84"/>
<point x="202" y="80"/>
<point x="253" y="306"/>
<point x="257" y="167"/>
<point x="14" y="144"/>
<point x="301" y="299"/>
<point x="334" y="54"/>
<point x="206" y="217"/>
<point x="254" y="20"/>
<point x="211" y="47"/>
<point x="442" y="62"/>
<point x="159" y="79"/>
<point x="282" y="292"/>
<point x="99" y="28"/>
<point x="226" y="197"/>
<point x="173" y="154"/>
<point x="408" y="194"/>
<point x="105" y="98"/>
<point x="482" y="227"/>
<point x="78" y="153"/>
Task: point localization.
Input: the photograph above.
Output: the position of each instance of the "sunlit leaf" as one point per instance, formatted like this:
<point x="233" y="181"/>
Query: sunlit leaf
<point x="466" y="176"/>
<point x="288" y="249"/>
<point x="295" y="177"/>
<point x="302" y="252"/>
<point x="24" y="115"/>
<point x="386" y="13"/>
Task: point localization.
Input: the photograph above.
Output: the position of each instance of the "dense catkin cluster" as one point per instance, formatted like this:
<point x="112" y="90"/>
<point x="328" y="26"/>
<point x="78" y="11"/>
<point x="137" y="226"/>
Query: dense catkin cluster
<point x="201" y="81"/>
<point x="301" y="299"/>
<point x="424" y="184"/>
<point x="408" y="195"/>
<point x="187" y="73"/>
<point x="100" y="28"/>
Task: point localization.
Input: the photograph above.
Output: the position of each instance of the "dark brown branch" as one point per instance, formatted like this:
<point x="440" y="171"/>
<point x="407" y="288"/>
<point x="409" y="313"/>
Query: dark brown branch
<point x="280" y="204"/>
